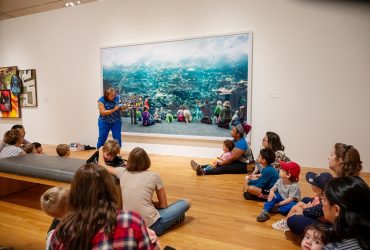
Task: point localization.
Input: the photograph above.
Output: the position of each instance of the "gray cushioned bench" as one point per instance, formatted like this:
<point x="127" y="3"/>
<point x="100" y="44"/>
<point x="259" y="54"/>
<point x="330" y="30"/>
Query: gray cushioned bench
<point x="42" y="166"/>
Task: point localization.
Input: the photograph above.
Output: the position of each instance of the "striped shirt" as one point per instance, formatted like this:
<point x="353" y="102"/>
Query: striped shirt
<point x="350" y="244"/>
<point x="10" y="150"/>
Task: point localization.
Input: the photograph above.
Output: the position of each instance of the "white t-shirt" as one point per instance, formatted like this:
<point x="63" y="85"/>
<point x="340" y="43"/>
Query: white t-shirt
<point x="137" y="192"/>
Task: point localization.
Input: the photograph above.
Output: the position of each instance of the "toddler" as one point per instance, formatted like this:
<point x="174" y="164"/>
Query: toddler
<point x="227" y="147"/>
<point x="315" y="237"/>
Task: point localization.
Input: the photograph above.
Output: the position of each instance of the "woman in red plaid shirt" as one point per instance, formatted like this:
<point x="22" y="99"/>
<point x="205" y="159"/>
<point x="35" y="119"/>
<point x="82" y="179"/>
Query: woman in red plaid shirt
<point x="94" y="221"/>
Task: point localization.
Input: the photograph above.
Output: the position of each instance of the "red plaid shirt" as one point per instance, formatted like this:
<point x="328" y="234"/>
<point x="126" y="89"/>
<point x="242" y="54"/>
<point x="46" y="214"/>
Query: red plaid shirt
<point x="130" y="233"/>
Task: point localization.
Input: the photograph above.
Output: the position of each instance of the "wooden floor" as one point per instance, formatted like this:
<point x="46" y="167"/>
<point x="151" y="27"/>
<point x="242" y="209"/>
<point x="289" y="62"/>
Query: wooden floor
<point x="219" y="217"/>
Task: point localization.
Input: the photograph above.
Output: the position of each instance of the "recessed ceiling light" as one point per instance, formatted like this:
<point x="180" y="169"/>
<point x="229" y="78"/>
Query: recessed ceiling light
<point x="67" y="4"/>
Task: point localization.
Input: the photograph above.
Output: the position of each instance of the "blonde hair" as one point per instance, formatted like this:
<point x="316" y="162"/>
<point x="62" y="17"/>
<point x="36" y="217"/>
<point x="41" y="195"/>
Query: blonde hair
<point x="55" y="202"/>
<point x="112" y="147"/>
<point x="62" y="149"/>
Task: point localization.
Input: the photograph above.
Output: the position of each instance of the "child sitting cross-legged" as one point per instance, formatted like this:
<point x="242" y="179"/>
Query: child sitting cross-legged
<point x="257" y="187"/>
<point x="285" y="193"/>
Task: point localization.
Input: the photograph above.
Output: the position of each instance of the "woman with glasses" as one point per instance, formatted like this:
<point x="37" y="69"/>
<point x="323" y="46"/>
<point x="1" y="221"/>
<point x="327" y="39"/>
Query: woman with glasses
<point x="271" y="140"/>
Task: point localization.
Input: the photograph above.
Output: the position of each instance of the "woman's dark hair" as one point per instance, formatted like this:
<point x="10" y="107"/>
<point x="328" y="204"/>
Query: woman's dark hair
<point x="138" y="160"/>
<point x="145" y="108"/>
<point x="229" y="144"/>
<point x="352" y="195"/>
<point x="325" y="231"/>
<point x="351" y="163"/>
<point x="93" y="206"/>
<point x="274" y="141"/>
<point x="107" y="92"/>
<point x="268" y="155"/>
<point x="12" y="136"/>
<point x="18" y="126"/>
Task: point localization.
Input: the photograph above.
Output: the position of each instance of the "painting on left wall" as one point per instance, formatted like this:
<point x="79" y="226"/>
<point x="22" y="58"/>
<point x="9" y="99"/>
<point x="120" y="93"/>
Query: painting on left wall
<point x="9" y="84"/>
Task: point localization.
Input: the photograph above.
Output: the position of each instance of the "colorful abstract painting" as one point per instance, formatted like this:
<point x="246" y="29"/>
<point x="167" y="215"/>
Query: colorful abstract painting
<point x="28" y="96"/>
<point x="10" y="81"/>
<point x="198" y="77"/>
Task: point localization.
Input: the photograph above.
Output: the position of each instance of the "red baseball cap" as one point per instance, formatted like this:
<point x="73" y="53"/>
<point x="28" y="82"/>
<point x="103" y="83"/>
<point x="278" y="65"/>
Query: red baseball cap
<point x="292" y="168"/>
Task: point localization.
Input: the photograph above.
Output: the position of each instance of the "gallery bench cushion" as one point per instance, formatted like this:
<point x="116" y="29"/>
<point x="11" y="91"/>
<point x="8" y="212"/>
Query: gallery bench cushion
<point x="42" y="166"/>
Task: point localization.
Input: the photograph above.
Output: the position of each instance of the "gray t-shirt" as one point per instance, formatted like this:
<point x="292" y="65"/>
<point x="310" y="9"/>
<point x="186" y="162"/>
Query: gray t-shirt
<point x="286" y="191"/>
<point x="137" y="192"/>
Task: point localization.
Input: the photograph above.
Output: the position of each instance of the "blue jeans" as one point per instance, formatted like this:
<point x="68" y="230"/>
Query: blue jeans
<point x="207" y="167"/>
<point x="169" y="216"/>
<point x="282" y="209"/>
<point x="104" y="128"/>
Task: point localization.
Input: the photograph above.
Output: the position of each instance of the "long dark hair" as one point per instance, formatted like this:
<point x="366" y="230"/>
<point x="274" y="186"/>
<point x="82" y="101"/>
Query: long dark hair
<point x="93" y="204"/>
<point x="275" y="142"/>
<point x="351" y="163"/>
<point x="352" y="195"/>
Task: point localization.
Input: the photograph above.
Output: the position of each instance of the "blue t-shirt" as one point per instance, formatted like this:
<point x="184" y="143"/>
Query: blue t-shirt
<point x="269" y="176"/>
<point x="108" y="105"/>
<point x="242" y="144"/>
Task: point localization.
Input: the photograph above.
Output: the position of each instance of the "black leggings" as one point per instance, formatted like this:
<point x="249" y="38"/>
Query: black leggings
<point x="236" y="167"/>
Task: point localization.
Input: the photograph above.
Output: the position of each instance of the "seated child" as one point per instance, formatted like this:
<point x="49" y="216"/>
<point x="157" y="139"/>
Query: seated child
<point x="259" y="187"/>
<point x="169" y="117"/>
<point x="308" y="207"/>
<point x="180" y="115"/>
<point x="63" y="150"/>
<point x="111" y="154"/>
<point x="156" y="116"/>
<point x="55" y="203"/>
<point x="38" y="148"/>
<point x="28" y="148"/>
<point x="285" y="193"/>
<point x="227" y="147"/>
<point x="147" y="121"/>
<point x="315" y="237"/>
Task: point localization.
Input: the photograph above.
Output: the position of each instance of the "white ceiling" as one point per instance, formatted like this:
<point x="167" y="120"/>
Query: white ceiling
<point x="16" y="8"/>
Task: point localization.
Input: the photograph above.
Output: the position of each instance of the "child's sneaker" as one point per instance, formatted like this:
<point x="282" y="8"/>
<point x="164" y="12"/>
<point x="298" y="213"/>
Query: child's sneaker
<point x="280" y="225"/>
<point x="264" y="216"/>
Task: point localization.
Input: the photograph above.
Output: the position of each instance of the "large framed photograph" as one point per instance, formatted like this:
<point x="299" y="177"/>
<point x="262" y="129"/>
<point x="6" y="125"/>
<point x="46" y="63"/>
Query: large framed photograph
<point x="188" y="87"/>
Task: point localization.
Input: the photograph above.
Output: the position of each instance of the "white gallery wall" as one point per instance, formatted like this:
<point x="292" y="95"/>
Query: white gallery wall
<point x="310" y="75"/>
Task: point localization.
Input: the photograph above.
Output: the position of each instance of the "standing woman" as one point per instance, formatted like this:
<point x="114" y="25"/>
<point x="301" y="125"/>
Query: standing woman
<point x="346" y="205"/>
<point x="109" y="117"/>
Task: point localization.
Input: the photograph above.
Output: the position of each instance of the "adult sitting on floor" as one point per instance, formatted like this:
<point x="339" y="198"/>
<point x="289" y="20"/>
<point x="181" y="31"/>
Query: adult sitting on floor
<point x="344" y="160"/>
<point x="241" y="155"/>
<point x="138" y="186"/>
<point x="13" y="139"/>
